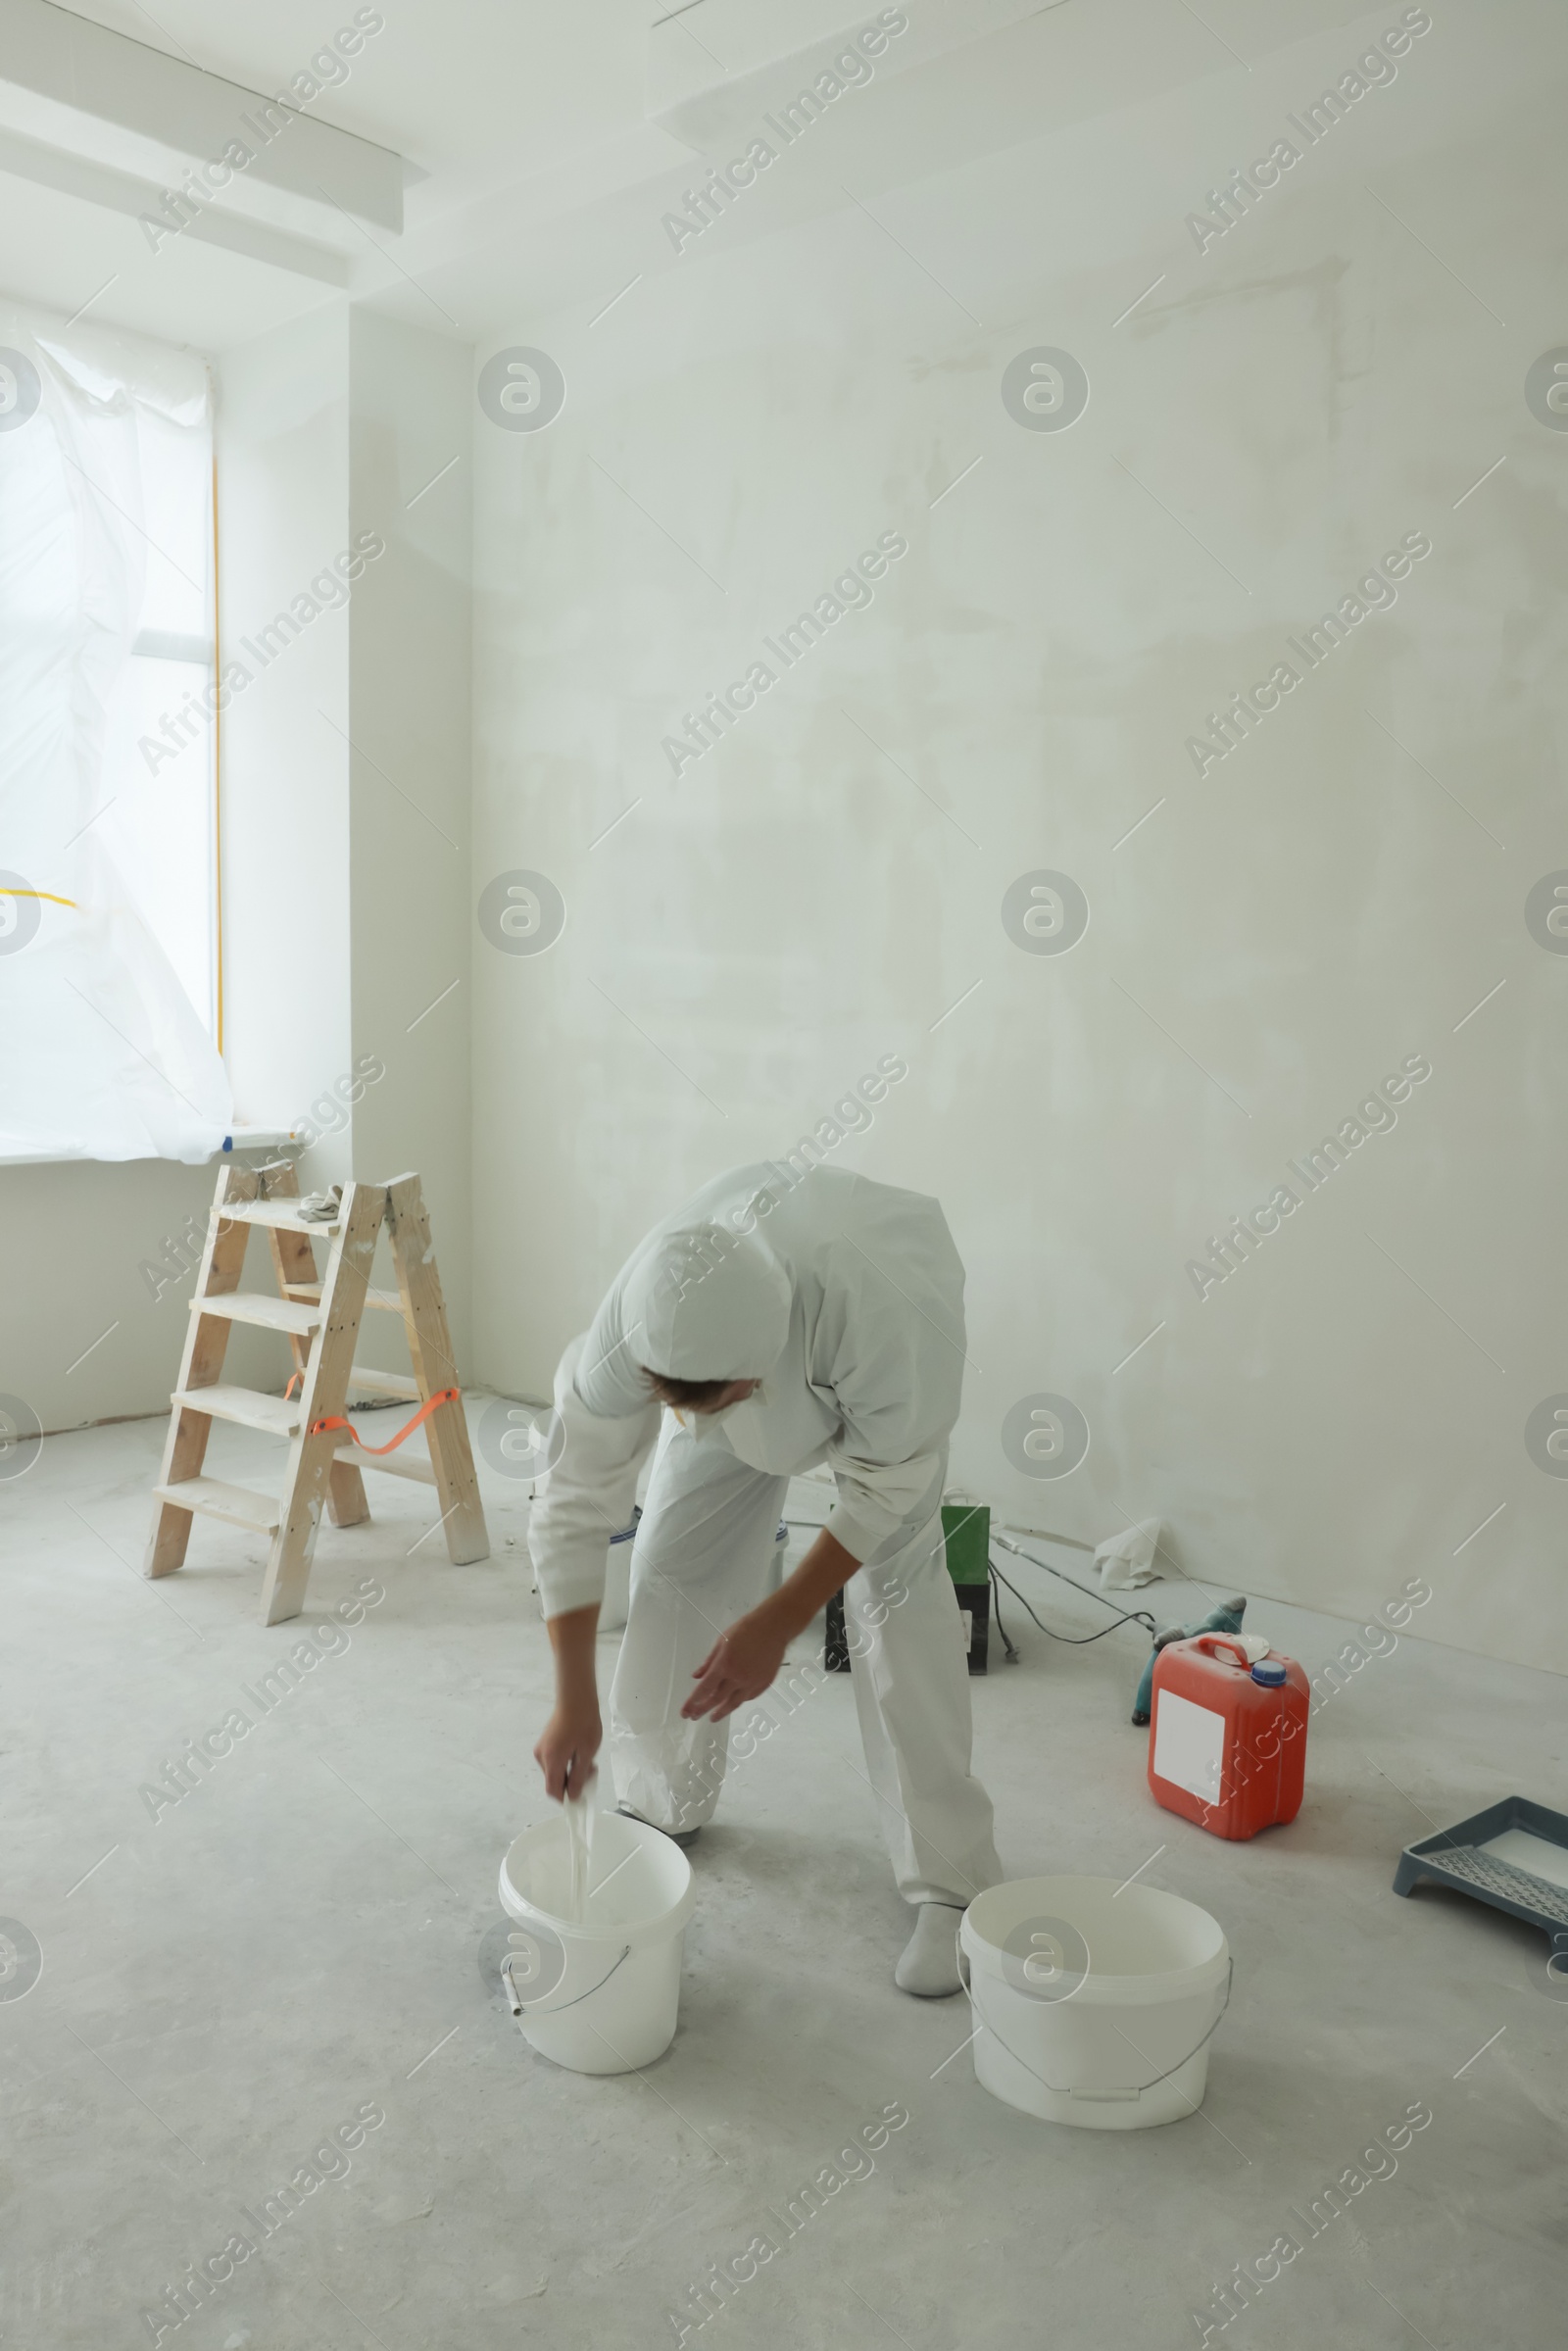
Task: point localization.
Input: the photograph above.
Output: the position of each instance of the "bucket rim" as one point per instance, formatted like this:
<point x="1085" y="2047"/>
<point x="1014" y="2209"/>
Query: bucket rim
<point x="1147" y="1987"/>
<point x="662" y="1924"/>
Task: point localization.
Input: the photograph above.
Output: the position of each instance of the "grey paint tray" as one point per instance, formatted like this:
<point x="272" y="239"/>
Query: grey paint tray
<point x="1482" y="1857"/>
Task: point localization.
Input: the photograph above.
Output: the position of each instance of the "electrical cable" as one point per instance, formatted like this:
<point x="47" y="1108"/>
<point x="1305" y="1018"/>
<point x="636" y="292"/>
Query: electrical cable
<point x="1135" y="1616"/>
<point x="1067" y="1640"/>
<point x="1138" y="1616"/>
<point x="995" y="1610"/>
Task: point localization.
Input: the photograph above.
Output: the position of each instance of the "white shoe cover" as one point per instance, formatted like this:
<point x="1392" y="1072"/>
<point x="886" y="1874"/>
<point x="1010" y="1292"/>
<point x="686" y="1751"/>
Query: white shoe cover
<point x="929" y="1968"/>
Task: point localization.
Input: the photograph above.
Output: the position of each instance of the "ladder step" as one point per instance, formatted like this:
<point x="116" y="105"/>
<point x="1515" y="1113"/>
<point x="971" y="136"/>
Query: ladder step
<point x="275" y="1414"/>
<point x="418" y="1466"/>
<point x="384" y="1383"/>
<point x="388" y="1301"/>
<point x="237" y="1504"/>
<point x="281" y="1215"/>
<point x="267" y="1312"/>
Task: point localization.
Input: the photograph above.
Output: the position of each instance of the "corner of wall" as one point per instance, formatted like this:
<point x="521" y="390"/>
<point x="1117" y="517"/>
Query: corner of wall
<point x="286" y="617"/>
<point x="410" y="688"/>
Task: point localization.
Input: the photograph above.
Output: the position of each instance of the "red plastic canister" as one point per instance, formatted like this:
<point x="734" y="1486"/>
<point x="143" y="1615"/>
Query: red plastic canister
<point x="1227" y="1739"/>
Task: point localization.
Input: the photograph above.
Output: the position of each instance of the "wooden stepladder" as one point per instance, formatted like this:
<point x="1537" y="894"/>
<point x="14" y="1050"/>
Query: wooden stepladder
<point x="319" y="1314"/>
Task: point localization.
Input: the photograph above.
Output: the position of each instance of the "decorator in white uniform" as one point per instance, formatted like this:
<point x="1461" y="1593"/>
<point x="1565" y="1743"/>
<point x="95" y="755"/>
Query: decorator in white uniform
<point x="771" y="1324"/>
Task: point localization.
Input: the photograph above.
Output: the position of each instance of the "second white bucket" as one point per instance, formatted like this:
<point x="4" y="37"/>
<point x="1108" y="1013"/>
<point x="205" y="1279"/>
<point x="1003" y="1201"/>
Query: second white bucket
<point x="599" y="1993"/>
<point x="1094" y="2006"/>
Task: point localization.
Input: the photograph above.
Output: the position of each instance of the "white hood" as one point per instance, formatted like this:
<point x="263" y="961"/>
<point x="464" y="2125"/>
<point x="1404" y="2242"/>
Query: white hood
<point x="703" y="1304"/>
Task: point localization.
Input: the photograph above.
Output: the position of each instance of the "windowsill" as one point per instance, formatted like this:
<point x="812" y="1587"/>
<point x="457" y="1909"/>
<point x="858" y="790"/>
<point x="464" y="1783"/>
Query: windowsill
<point x="256" y="1138"/>
<point x="243" y="1139"/>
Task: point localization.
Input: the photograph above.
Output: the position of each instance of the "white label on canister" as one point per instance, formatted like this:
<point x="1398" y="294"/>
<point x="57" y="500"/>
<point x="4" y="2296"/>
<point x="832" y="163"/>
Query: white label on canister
<point x="1188" y="1745"/>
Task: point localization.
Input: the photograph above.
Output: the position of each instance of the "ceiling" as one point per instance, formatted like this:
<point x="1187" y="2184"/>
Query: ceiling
<point x="475" y="95"/>
<point x="530" y="164"/>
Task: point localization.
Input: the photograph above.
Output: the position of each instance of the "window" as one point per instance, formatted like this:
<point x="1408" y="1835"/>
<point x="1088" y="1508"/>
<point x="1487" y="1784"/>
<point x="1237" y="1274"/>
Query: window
<point x="109" y="964"/>
<point x="160" y="748"/>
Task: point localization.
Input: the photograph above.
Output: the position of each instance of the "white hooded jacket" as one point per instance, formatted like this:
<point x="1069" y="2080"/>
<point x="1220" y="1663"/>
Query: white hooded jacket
<point x="843" y="1297"/>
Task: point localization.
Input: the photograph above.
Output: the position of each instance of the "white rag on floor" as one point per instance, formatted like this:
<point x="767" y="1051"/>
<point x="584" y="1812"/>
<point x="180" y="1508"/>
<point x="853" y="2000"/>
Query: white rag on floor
<point x="1127" y="1560"/>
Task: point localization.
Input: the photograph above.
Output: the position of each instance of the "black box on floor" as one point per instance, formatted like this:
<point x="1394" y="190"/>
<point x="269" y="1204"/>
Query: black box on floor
<point x="974" y="1605"/>
<point x="835" y="1645"/>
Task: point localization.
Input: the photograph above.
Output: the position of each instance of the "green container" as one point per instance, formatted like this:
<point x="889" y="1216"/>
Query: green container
<point x="967" y="1535"/>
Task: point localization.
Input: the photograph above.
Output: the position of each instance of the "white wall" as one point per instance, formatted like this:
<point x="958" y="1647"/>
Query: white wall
<point x="825" y="886"/>
<point x="284" y="489"/>
<point x="82" y="1338"/>
<point x="347" y="761"/>
<point x="410" y="696"/>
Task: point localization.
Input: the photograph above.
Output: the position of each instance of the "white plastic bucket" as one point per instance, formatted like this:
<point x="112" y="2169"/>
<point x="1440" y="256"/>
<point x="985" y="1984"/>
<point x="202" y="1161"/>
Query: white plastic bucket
<point x="1093" y="2006"/>
<point x="599" y="1993"/>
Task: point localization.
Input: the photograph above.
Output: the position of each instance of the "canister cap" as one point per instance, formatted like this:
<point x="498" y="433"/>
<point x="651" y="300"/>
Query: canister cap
<point x="1269" y="1672"/>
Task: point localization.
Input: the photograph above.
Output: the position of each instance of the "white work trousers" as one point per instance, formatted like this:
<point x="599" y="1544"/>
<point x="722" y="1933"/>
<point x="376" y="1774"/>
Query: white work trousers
<point x="700" y="1560"/>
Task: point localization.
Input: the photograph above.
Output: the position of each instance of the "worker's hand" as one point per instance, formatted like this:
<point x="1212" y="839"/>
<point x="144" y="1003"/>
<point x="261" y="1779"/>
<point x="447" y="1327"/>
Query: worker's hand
<point x="566" y="1753"/>
<point x="741" y="1664"/>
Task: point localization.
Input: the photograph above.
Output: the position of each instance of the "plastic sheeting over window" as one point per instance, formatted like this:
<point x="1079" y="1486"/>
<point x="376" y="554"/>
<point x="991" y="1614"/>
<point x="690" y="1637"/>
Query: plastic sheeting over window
<point x="107" y="952"/>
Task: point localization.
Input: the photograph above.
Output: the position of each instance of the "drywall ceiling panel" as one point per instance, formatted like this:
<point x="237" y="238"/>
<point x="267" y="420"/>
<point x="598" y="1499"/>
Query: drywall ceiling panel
<point x="65" y="253"/>
<point x="98" y="93"/>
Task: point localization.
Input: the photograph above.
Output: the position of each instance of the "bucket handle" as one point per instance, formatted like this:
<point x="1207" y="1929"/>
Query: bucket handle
<point x="1090" y="2097"/>
<point x="521" y="2007"/>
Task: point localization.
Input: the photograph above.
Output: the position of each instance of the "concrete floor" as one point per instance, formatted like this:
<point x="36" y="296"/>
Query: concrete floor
<point x="295" y="1944"/>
